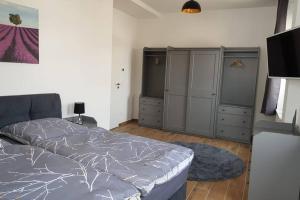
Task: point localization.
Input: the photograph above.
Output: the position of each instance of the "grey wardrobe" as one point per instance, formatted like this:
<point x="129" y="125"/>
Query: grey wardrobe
<point x="236" y="106"/>
<point x="152" y="96"/>
<point x="197" y="86"/>
<point x="191" y="88"/>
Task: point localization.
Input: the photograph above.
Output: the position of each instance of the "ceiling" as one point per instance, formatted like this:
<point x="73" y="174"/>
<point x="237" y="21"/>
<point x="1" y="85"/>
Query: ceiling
<point x="152" y="8"/>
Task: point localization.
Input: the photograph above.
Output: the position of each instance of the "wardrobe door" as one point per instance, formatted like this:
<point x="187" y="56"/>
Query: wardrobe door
<point x="177" y="73"/>
<point x="202" y="93"/>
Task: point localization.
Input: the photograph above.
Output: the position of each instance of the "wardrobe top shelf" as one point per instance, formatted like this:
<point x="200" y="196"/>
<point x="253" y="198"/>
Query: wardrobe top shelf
<point x="242" y="49"/>
<point x="240" y="56"/>
<point x="155" y="55"/>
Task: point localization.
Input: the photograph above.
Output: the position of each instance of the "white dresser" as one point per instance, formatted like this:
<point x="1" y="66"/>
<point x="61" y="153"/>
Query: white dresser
<point x="275" y="167"/>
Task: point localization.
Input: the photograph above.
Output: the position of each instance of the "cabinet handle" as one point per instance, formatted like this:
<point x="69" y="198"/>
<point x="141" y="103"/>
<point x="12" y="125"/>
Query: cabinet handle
<point x="222" y="131"/>
<point x="223" y="110"/>
<point x="213" y="94"/>
<point x="223" y="119"/>
<point x="243" y="134"/>
<point x="245" y="112"/>
<point x="244" y="122"/>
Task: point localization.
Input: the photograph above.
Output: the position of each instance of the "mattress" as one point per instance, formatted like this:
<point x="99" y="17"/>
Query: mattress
<point x="167" y="189"/>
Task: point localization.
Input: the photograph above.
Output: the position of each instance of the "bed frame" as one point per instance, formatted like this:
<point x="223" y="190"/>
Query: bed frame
<point x="14" y="109"/>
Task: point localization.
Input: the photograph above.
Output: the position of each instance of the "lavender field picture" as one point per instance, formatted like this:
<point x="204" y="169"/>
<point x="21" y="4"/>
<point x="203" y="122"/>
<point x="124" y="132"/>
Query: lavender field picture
<point x="19" y="33"/>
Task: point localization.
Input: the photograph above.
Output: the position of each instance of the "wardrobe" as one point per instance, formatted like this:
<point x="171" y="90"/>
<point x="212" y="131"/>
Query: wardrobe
<point x="153" y="81"/>
<point x="202" y="91"/>
<point x="236" y="105"/>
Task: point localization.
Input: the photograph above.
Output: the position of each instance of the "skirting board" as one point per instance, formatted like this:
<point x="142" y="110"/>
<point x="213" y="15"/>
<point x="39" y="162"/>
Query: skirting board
<point x="128" y="122"/>
<point x="125" y="123"/>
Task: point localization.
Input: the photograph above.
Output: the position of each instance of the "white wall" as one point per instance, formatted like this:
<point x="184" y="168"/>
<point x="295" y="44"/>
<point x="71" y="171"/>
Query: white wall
<point x="292" y="101"/>
<point x="281" y="106"/>
<point x="297" y="12"/>
<point x="124" y="48"/>
<point x="231" y="28"/>
<point x="75" y="56"/>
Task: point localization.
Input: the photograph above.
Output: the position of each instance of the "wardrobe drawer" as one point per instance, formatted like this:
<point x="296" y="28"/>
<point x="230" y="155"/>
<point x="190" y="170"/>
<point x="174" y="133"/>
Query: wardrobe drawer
<point x="149" y="120"/>
<point x="151" y="101"/>
<point x="235" y="110"/>
<point x="235" y="120"/>
<point x="151" y="109"/>
<point x="236" y="133"/>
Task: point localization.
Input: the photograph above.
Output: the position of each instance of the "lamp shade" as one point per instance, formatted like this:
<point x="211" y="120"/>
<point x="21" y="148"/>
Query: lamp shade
<point x="79" y="108"/>
<point x="191" y="7"/>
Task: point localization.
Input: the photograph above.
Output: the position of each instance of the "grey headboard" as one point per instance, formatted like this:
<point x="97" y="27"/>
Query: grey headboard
<point x="15" y="109"/>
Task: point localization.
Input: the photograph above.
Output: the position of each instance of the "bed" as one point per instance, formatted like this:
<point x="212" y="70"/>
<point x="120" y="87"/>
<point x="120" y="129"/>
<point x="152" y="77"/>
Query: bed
<point x="157" y="172"/>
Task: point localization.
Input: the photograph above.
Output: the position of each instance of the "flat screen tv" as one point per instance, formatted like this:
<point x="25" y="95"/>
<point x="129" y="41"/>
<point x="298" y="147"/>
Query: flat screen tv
<point x="284" y="54"/>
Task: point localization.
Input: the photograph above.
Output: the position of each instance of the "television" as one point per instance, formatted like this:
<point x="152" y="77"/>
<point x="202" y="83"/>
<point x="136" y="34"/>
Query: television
<point x="284" y="54"/>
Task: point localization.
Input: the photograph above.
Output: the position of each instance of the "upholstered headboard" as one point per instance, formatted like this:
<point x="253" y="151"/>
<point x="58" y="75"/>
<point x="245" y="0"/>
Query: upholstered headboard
<point x="15" y="109"/>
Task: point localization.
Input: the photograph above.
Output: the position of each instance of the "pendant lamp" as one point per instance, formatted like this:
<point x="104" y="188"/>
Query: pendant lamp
<point x="191" y="7"/>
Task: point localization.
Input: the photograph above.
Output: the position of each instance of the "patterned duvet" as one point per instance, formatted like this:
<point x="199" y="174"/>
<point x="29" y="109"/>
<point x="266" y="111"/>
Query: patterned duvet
<point x="29" y="173"/>
<point x="135" y="160"/>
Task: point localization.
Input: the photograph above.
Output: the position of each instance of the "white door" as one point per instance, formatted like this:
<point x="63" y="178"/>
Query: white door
<point x="121" y="95"/>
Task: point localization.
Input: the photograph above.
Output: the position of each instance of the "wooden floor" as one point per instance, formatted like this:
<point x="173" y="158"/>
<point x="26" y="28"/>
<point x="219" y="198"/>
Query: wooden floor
<point x="233" y="189"/>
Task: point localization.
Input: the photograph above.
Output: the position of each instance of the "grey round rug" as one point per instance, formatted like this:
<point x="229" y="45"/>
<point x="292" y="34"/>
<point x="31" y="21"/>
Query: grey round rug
<point x="211" y="163"/>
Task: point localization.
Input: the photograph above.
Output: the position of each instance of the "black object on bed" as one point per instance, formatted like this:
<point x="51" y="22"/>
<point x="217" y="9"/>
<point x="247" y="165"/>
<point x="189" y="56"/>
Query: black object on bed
<point x="14" y="109"/>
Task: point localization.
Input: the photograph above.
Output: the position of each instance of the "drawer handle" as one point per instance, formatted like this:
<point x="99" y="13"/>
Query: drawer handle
<point x="222" y="131"/>
<point x="159" y="111"/>
<point x="158" y="121"/>
<point x="245" y="112"/>
<point x="223" y="110"/>
<point x="243" y="134"/>
<point x="223" y="119"/>
<point x="244" y="122"/>
<point x="143" y="119"/>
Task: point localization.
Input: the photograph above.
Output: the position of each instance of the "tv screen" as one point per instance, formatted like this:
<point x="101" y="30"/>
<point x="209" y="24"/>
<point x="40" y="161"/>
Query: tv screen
<point x="284" y="54"/>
